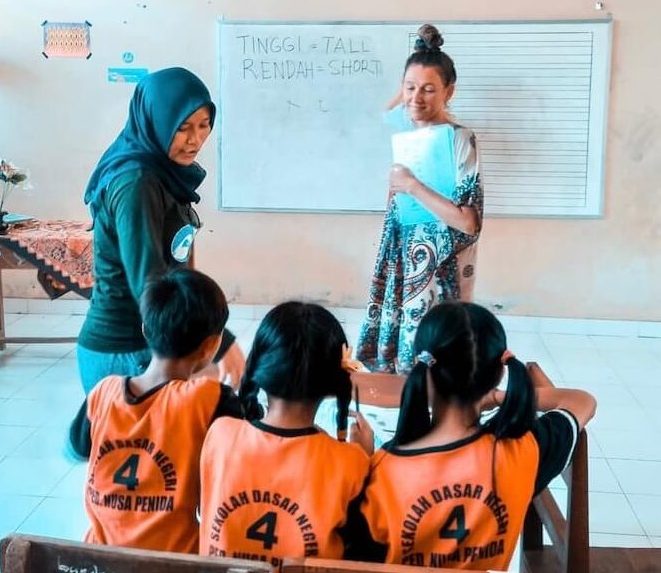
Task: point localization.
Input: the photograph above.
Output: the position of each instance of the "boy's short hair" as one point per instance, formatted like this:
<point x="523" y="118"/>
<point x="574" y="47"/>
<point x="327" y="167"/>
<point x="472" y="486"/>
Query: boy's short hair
<point x="180" y="310"/>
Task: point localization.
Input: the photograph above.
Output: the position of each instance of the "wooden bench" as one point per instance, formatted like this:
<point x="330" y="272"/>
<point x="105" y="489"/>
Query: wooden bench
<point x="32" y="554"/>
<point x="313" y="565"/>
<point x="570" y="551"/>
<point x="378" y="389"/>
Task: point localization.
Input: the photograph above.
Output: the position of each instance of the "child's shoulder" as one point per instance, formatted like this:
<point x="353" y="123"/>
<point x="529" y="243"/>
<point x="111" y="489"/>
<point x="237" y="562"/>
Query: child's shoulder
<point x="228" y="424"/>
<point x="197" y="385"/>
<point x="108" y="390"/>
<point x="348" y="453"/>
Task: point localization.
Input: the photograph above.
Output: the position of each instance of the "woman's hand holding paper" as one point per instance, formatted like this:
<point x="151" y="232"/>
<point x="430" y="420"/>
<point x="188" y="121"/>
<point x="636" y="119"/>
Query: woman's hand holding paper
<point x="402" y="180"/>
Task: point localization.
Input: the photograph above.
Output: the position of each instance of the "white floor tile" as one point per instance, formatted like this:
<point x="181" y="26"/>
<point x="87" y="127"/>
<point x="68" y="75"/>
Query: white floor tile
<point x="563" y="325"/>
<point x="607" y="395"/>
<point x="352" y="331"/>
<point x="653" y="344"/>
<point x="8" y="388"/>
<point x="55" y="390"/>
<point x="64" y="370"/>
<point x="648" y="510"/>
<point x="15" y="510"/>
<point x="20" y="412"/>
<point x="41" y="444"/>
<point x="637" y="477"/>
<point x="25" y="476"/>
<point x="567" y="341"/>
<point x="53" y="518"/>
<point x="239" y="325"/>
<point x="649" y="329"/>
<point x="11" y="437"/>
<point x="16" y="369"/>
<point x="601" y="477"/>
<point x="614" y="540"/>
<point x="54" y="351"/>
<point x="615" y="343"/>
<point x="11" y="349"/>
<point x="582" y="365"/>
<point x="36" y="324"/>
<point x="68" y="306"/>
<point x="594" y="449"/>
<point x="72" y="485"/>
<point x="611" y="513"/>
<point x="625" y="418"/>
<point x="519" y="323"/>
<point x="612" y="327"/>
<point x="345" y="315"/>
<point x="648" y="396"/>
<point x="630" y="445"/>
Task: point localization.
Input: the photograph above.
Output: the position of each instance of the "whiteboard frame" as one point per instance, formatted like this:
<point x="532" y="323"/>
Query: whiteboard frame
<point x="594" y="209"/>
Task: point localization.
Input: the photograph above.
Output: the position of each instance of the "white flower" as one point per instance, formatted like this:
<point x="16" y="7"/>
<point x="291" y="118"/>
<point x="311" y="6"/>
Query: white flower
<point x="10" y="176"/>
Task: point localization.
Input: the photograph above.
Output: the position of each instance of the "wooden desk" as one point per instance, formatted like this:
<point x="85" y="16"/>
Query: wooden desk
<point x="60" y="252"/>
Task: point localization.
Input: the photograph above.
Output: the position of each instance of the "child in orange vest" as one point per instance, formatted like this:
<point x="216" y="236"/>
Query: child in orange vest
<point x="143" y="434"/>
<point x="274" y="485"/>
<point x="449" y="490"/>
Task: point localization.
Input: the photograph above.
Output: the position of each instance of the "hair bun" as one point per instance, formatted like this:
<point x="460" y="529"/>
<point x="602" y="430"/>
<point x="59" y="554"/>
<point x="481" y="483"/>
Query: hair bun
<point x="429" y="39"/>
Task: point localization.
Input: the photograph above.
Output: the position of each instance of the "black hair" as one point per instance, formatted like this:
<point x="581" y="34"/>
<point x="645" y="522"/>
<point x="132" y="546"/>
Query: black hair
<point x="297" y="355"/>
<point x="466" y="343"/>
<point x="180" y="310"/>
<point x="427" y="52"/>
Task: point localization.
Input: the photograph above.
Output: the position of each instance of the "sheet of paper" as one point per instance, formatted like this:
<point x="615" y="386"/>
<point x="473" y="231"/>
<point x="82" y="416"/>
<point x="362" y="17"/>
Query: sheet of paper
<point x="429" y="153"/>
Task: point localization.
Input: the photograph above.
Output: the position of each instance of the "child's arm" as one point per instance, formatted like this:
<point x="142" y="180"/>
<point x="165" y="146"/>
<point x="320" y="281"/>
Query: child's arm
<point x="361" y="433"/>
<point x="557" y="431"/>
<point x="80" y="437"/>
<point x="228" y="404"/>
<point x="358" y="542"/>
<point x="581" y="404"/>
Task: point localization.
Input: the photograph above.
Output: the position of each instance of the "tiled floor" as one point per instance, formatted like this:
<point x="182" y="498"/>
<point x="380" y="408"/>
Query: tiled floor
<point x="41" y="490"/>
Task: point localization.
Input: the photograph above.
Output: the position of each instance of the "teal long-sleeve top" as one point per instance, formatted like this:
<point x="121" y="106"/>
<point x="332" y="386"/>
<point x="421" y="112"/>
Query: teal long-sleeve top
<point x="140" y="232"/>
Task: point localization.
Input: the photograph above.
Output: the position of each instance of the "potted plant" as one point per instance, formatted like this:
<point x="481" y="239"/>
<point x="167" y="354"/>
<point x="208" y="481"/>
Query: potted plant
<point x="10" y="177"/>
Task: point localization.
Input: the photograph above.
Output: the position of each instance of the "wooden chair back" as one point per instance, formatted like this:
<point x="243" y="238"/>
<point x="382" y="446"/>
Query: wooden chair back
<point x="313" y="565"/>
<point x="378" y="389"/>
<point x="570" y="536"/>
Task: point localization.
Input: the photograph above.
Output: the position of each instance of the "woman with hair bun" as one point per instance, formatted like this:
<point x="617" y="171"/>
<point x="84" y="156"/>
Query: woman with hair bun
<point x="433" y="259"/>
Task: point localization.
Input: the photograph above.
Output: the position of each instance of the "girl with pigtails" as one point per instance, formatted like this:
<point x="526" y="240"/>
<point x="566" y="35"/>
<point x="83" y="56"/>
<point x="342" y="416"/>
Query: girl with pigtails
<point x="451" y="490"/>
<point x="275" y="485"/>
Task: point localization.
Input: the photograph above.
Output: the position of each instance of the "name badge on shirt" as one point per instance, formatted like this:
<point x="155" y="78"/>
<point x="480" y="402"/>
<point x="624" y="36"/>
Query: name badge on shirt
<point x="182" y="243"/>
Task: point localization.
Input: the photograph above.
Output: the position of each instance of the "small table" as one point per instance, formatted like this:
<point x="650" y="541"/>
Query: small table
<point x="60" y="251"/>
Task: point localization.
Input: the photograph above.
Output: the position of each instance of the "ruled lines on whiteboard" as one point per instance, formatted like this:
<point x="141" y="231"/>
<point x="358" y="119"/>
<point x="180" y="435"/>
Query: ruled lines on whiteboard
<point x="528" y="96"/>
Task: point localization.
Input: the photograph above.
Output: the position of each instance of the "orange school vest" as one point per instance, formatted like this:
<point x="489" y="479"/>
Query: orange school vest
<point x="267" y="496"/>
<point x="436" y="507"/>
<point x="143" y="476"/>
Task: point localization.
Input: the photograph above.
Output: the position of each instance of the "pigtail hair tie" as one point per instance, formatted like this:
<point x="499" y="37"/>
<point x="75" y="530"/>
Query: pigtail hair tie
<point x="506" y="356"/>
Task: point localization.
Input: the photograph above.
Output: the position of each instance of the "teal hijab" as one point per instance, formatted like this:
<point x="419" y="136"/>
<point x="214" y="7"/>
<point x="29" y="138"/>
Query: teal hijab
<point x="162" y="101"/>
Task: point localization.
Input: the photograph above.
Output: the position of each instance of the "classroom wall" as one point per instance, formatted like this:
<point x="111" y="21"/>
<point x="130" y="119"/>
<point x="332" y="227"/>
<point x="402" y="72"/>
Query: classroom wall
<point x="57" y="116"/>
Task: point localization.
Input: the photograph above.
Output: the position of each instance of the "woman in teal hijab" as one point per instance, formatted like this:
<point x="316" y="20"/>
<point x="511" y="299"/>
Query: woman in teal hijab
<point x="140" y="197"/>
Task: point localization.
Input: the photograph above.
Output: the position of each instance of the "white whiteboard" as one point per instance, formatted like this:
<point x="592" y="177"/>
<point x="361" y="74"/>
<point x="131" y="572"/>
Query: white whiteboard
<point x="301" y="109"/>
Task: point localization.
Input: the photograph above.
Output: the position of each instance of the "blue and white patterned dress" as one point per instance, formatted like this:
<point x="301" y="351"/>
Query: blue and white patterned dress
<point x="418" y="266"/>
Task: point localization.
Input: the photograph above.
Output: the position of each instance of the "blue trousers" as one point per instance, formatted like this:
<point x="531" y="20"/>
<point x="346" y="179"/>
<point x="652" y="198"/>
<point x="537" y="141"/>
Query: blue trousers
<point x="94" y="366"/>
